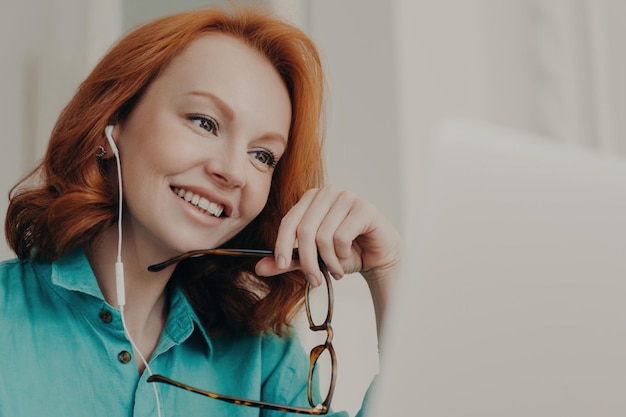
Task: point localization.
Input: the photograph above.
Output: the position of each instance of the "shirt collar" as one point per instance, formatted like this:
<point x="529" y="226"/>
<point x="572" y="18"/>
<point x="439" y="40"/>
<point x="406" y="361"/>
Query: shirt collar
<point x="183" y="320"/>
<point x="73" y="273"/>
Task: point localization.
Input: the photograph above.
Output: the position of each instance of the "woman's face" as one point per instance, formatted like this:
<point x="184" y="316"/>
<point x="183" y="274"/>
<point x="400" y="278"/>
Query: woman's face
<point x="198" y="151"/>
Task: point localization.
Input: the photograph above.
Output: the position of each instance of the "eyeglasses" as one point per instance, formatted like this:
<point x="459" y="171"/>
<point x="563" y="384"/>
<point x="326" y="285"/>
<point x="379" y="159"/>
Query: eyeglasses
<point x="319" y="319"/>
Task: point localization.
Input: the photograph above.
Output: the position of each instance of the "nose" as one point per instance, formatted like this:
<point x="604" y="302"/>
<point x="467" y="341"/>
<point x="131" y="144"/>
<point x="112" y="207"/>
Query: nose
<point x="228" y="167"/>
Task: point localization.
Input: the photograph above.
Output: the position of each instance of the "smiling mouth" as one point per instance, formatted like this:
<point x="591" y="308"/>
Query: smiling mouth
<point x="201" y="203"/>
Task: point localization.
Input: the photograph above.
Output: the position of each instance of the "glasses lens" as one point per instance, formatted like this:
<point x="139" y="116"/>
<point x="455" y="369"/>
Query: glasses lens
<point x="318" y="303"/>
<point x="322" y="375"/>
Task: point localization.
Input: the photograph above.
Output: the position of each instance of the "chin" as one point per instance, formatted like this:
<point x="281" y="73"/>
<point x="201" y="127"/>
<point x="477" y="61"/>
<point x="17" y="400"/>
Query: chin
<point x="206" y="242"/>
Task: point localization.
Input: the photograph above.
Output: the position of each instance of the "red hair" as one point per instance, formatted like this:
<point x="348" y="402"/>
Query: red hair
<point x="71" y="196"/>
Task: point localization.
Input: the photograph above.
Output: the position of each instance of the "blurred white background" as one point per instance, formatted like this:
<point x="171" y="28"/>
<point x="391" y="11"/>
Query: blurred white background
<point x="394" y="68"/>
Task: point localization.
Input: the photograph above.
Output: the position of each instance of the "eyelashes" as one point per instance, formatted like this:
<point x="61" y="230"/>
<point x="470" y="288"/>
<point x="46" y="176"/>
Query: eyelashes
<point x="264" y="156"/>
<point x="205" y="122"/>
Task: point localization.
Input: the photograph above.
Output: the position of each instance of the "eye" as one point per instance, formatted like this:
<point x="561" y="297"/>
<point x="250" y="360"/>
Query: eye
<point x="264" y="156"/>
<point x="205" y="122"/>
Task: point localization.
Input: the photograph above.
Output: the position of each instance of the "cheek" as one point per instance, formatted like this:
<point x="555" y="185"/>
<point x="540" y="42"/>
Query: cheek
<point x="257" y="197"/>
<point x="153" y="156"/>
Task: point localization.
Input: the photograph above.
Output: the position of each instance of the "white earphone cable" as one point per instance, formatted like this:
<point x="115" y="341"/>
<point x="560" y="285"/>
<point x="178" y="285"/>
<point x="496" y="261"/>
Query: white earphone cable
<point x="119" y="266"/>
<point x="143" y="360"/>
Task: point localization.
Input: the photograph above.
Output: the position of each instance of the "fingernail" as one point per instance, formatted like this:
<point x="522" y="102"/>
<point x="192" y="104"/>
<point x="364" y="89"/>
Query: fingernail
<point x="281" y="262"/>
<point x="337" y="275"/>
<point x="314" y="280"/>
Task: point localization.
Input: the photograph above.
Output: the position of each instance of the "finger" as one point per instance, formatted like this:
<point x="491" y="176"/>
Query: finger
<point x="377" y="243"/>
<point x="286" y="237"/>
<point x="349" y="235"/>
<point x="307" y="232"/>
<point x="267" y="267"/>
<point x="334" y="247"/>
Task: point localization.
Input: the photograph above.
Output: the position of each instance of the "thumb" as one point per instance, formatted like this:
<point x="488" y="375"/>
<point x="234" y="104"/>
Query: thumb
<point x="267" y="267"/>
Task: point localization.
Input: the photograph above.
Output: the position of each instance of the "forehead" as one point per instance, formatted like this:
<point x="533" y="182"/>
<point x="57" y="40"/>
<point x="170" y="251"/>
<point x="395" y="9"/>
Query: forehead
<point x="225" y="56"/>
<point x="232" y="73"/>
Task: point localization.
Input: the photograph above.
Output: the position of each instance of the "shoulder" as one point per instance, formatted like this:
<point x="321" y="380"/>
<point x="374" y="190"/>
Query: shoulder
<point x="15" y="280"/>
<point x="11" y="264"/>
<point x="15" y="270"/>
<point x="19" y="278"/>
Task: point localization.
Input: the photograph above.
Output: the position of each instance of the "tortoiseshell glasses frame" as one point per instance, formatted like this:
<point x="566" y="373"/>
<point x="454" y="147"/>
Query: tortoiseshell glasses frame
<point x="316" y="352"/>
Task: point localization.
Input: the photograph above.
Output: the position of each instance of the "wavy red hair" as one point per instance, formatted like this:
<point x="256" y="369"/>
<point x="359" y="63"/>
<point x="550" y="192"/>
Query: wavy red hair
<point x="71" y="196"/>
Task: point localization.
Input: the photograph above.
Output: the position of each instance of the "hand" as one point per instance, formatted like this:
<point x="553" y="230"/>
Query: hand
<point x="350" y="234"/>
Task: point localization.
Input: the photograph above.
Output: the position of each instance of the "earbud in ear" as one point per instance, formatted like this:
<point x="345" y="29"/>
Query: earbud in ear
<point x="119" y="267"/>
<point x="108" y="131"/>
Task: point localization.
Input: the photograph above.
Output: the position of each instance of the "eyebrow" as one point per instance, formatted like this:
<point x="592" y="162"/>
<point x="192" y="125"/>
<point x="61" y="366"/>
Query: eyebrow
<point x="230" y="114"/>
<point x="221" y="104"/>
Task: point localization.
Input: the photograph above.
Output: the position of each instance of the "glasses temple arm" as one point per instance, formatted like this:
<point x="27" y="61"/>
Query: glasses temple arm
<point x="260" y="253"/>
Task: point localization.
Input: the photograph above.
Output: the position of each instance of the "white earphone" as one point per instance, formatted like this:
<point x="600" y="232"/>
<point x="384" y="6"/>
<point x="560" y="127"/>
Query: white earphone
<point x="108" y="131"/>
<point x="119" y="266"/>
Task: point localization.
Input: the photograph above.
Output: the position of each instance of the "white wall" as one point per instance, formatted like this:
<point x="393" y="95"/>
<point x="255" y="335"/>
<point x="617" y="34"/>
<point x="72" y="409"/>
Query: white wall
<point x="549" y="66"/>
<point x="14" y="70"/>
<point x="47" y="49"/>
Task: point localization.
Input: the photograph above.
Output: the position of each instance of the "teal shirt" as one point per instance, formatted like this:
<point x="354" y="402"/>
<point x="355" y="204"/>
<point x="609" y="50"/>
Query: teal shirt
<point x="62" y="345"/>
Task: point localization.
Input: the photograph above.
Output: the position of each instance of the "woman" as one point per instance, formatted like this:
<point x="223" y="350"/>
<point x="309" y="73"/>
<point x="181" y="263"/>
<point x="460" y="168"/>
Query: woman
<point x="215" y="118"/>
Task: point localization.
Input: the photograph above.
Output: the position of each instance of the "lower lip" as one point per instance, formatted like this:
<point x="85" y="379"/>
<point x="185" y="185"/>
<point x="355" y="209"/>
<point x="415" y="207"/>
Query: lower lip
<point x="195" y="214"/>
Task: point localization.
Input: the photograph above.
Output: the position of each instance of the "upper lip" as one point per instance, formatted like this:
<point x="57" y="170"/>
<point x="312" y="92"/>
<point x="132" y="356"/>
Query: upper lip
<point x="212" y="197"/>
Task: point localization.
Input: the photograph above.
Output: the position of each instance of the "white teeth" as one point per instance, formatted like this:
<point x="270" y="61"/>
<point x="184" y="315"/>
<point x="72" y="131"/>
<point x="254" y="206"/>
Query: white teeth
<point x="203" y="203"/>
<point x="200" y="202"/>
<point x="215" y="209"/>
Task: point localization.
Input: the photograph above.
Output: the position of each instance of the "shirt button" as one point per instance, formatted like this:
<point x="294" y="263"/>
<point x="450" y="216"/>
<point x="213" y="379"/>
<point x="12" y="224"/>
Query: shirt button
<point x="124" y="356"/>
<point x="105" y="316"/>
